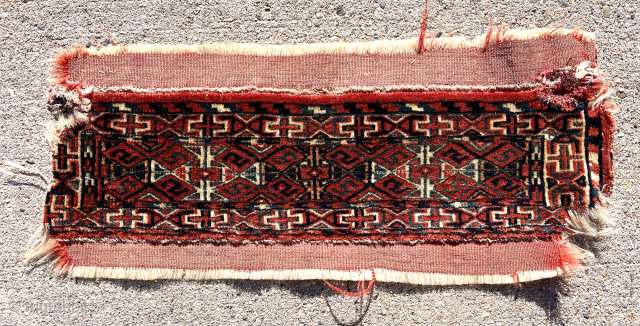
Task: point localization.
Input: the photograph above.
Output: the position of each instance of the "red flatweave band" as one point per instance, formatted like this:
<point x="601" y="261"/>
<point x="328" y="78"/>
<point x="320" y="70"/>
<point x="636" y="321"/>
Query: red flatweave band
<point x="463" y="259"/>
<point x="510" y="63"/>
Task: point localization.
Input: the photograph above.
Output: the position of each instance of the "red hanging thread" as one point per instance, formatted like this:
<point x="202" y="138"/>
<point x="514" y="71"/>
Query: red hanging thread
<point x="423" y="29"/>
<point x="516" y="279"/>
<point x="500" y="34"/>
<point x="486" y="43"/>
<point x="361" y="289"/>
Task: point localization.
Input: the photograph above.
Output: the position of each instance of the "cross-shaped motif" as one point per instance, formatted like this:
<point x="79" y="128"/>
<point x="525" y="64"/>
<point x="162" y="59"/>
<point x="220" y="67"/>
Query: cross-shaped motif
<point x="511" y="125"/>
<point x="130" y="125"/>
<point x="359" y="127"/>
<point x="283" y="219"/>
<point x="432" y="126"/>
<point x="208" y="126"/>
<point x="433" y="218"/>
<point x="357" y="218"/>
<point x="510" y="215"/>
<point x="126" y="218"/>
<point x="564" y="158"/>
<point x="204" y="219"/>
<point x="61" y="157"/>
<point x="284" y="128"/>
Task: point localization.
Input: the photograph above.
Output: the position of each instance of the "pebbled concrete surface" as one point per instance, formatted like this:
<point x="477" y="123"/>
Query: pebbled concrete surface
<point x="606" y="294"/>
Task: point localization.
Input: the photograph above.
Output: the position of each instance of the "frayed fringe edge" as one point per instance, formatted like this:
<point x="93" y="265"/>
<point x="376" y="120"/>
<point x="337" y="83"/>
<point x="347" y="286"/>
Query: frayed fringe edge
<point x="573" y="258"/>
<point x="594" y="222"/>
<point x="47" y="250"/>
<point x="382" y="275"/>
<point x="58" y="125"/>
<point x="376" y="47"/>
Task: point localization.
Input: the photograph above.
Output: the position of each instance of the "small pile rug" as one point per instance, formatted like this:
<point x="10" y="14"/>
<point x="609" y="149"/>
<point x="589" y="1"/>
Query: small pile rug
<point x="466" y="161"/>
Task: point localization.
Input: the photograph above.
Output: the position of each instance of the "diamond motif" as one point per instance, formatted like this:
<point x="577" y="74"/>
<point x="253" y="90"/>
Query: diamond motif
<point x="395" y="186"/>
<point x="504" y="154"/>
<point x="455" y="186"/>
<point x="174" y="157"/>
<point x="174" y="187"/>
<point x="505" y="184"/>
<point x="285" y="188"/>
<point x="455" y="154"/>
<point x="345" y="156"/>
<point x="284" y="158"/>
<point x="394" y="157"/>
<point x="345" y="188"/>
<point x="236" y="159"/>
<point x="124" y="154"/>
<point x="124" y="187"/>
<point x="236" y="189"/>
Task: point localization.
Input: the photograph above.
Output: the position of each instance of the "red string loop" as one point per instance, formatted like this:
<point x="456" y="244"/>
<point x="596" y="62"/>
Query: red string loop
<point x="361" y="289"/>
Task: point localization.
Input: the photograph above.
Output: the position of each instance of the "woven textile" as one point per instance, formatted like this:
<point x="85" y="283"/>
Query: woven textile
<point x="466" y="163"/>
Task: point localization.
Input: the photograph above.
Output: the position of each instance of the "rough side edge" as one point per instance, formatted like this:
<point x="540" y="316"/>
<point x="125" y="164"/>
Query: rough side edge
<point x="375" y="47"/>
<point x="586" y="83"/>
<point x="55" y="126"/>
<point x="596" y="220"/>
<point x="572" y="257"/>
<point x="68" y="109"/>
<point x="606" y="111"/>
<point x="46" y="250"/>
<point x="593" y="221"/>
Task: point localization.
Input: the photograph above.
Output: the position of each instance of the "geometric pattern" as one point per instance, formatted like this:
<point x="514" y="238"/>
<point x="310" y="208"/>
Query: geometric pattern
<point x="437" y="171"/>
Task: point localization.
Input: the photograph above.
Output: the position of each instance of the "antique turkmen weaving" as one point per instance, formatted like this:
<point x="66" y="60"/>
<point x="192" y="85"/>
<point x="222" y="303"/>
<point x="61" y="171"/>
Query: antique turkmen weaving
<point x="468" y="162"/>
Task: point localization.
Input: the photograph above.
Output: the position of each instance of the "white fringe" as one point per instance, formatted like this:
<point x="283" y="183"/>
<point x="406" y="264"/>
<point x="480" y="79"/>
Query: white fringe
<point x="375" y="47"/>
<point x="385" y="275"/>
<point x="36" y="242"/>
<point x="593" y="221"/>
<point x="39" y="251"/>
<point x="46" y="250"/>
<point x="603" y="96"/>
<point x="382" y="275"/>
